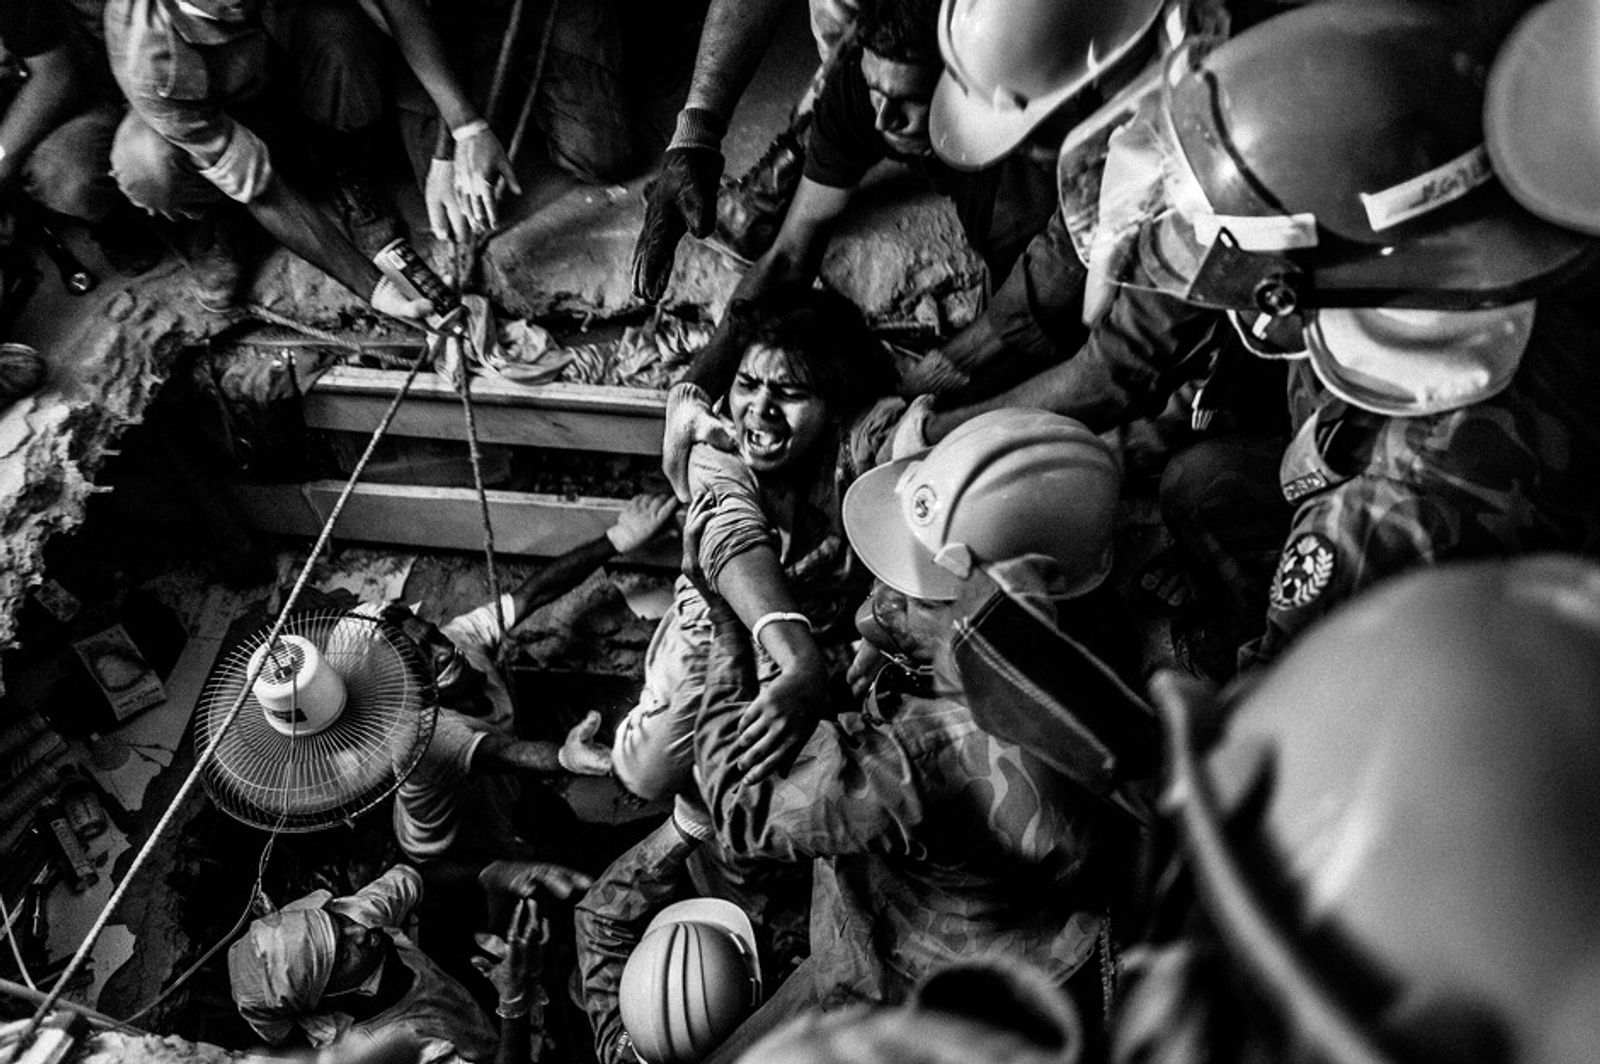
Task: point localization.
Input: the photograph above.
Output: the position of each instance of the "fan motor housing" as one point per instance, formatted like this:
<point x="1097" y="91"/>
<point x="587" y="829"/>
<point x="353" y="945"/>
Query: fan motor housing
<point x="300" y="693"/>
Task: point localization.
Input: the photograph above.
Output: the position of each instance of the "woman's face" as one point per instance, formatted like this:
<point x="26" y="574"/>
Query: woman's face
<point x="779" y="421"/>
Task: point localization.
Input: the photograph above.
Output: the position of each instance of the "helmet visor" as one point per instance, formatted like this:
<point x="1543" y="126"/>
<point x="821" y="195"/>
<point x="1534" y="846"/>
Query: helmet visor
<point x="1151" y="225"/>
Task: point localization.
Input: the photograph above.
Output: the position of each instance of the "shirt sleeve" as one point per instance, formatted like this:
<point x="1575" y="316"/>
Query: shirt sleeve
<point x="145" y="61"/>
<point x="739" y="524"/>
<point x="855" y="787"/>
<point x="843" y="143"/>
<point x="611" y="919"/>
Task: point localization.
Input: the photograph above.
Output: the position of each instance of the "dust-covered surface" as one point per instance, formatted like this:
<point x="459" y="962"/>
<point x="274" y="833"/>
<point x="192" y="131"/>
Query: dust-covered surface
<point x="108" y="354"/>
<point x="117" y="1047"/>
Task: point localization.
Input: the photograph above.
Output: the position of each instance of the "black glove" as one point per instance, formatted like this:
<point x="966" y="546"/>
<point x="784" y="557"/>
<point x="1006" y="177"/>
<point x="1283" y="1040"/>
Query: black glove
<point x="683" y="198"/>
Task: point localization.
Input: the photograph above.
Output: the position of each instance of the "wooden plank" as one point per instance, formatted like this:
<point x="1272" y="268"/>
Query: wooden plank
<point x="359" y="380"/>
<point x="564" y="416"/>
<point x="524" y="523"/>
<point x="569" y="430"/>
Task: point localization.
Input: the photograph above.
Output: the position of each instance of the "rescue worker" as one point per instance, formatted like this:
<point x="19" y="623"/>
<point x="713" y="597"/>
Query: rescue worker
<point x="932" y="840"/>
<point x="58" y="113"/>
<point x="683" y="196"/>
<point x="341" y="971"/>
<point x="202" y="111"/>
<point x="664" y="975"/>
<point x="1387" y="841"/>
<point x="1442" y="378"/>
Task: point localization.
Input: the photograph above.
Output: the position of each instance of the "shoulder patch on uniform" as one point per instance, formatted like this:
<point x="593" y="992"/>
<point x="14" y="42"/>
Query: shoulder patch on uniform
<point x="1304" y="572"/>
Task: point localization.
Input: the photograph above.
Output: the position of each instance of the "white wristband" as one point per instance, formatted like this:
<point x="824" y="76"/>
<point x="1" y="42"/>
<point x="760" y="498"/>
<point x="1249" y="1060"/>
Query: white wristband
<point x="774" y="617"/>
<point x="468" y="130"/>
<point x="3" y="152"/>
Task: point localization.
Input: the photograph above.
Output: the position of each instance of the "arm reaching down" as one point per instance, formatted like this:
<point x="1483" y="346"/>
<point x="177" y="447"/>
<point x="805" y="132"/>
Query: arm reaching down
<point x="683" y="198"/>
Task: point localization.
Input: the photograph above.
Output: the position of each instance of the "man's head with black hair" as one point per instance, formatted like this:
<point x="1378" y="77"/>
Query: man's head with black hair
<point x="902" y="31"/>
<point x="900" y="63"/>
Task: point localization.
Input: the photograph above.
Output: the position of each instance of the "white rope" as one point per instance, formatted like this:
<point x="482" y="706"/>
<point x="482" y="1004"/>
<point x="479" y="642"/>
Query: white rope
<point x="206" y="756"/>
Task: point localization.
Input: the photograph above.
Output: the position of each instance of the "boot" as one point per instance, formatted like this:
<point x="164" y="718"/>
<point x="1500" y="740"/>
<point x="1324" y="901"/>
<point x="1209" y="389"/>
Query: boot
<point x="751" y="207"/>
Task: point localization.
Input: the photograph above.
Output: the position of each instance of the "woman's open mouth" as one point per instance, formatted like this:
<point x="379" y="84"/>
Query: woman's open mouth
<point x="763" y="444"/>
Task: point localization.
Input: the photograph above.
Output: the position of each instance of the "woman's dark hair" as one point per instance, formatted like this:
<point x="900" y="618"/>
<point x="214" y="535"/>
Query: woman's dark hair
<point x="825" y="339"/>
<point x="901" y="31"/>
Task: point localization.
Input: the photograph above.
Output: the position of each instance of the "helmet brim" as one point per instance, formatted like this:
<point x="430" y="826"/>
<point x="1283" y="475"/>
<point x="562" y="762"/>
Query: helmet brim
<point x="970" y="134"/>
<point x="874" y="521"/>
<point x="1547" y="155"/>
<point x="1464" y="358"/>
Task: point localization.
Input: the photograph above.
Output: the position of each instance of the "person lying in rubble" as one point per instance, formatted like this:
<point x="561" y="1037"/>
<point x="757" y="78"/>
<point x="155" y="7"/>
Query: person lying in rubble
<point x="58" y="113"/>
<point x="206" y="99"/>
<point x="344" y="972"/>
<point x="933" y="840"/>
<point x="810" y="410"/>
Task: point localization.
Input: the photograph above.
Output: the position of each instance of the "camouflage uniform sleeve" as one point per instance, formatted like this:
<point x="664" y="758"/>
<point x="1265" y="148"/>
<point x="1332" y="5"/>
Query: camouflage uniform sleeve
<point x="853" y="789"/>
<point x="1342" y="541"/>
<point x="612" y="918"/>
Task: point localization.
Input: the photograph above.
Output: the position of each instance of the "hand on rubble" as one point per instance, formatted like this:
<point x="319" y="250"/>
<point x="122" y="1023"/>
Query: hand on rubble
<point x="446" y="217"/>
<point x="523" y="878"/>
<point x="480" y="162"/>
<point x="682" y="199"/>
<point x="689" y="421"/>
<point x="580" y="754"/>
<point x="642" y="520"/>
<point x="388" y="299"/>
